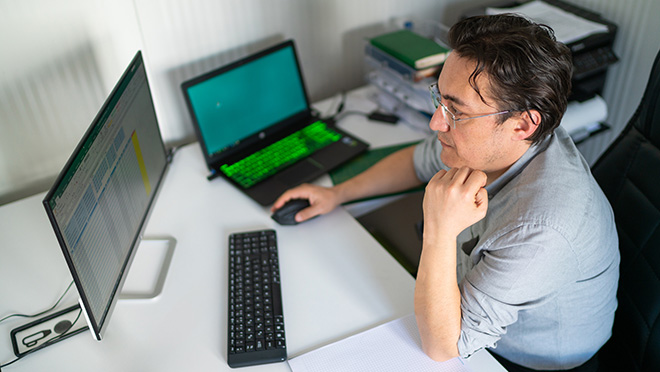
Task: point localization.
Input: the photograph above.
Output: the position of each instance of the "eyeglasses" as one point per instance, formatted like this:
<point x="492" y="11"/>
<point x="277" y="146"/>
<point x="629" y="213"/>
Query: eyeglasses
<point x="448" y="115"/>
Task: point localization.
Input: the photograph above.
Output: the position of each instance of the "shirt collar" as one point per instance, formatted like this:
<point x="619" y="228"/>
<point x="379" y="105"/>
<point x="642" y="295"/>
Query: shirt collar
<point x="518" y="166"/>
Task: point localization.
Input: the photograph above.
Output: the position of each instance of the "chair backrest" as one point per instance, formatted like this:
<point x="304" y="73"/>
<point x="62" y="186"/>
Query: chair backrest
<point x="629" y="174"/>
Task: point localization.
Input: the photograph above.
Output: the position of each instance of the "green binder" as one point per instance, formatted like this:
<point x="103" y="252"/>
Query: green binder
<point x="413" y="49"/>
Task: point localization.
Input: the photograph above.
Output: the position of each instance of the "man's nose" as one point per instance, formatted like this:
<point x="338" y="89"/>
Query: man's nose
<point x="439" y="121"/>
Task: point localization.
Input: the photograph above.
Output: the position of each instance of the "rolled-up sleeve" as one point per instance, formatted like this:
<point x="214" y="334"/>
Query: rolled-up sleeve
<point x="520" y="269"/>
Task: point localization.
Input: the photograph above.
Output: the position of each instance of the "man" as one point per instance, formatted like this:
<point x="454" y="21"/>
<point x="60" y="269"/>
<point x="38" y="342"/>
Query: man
<point x="520" y="253"/>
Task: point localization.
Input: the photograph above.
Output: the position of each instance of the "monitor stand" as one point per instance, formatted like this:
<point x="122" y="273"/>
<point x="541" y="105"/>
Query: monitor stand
<point x="145" y="280"/>
<point x="149" y="268"/>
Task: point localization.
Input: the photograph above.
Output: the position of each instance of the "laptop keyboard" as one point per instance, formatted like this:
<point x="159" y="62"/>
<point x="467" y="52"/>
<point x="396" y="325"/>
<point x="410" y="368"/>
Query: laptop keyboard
<point x="271" y="159"/>
<point x="256" y="320"/>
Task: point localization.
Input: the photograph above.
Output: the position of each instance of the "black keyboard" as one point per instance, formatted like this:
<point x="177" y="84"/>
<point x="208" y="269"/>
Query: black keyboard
<point x="264" y="163"/>
<point x="256" y="320"/>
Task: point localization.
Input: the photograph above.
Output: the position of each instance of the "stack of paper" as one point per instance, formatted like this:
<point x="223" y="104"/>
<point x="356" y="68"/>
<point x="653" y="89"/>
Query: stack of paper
<point x="582" y="118"/>
<point x="393" y="346"/>
<point x="568" y="27"/>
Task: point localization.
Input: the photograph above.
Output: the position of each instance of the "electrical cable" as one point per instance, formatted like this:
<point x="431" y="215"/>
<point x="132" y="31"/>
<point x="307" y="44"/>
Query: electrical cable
<point x="47" y="343"/>
<point x="37" y="315"/>
<point x="43" y="312"/>
<point x="340" y="107"/>
<point x="342" y="102"/>
<point x="375" y="115"/>
<point x="340" y="116"/>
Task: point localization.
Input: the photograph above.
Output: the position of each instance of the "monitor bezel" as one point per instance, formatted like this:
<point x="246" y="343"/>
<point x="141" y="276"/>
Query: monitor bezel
<point x="99" y="326"/>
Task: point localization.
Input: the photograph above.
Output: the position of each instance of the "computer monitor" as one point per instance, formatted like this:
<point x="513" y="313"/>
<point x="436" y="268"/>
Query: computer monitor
<point x="100" y="202"/>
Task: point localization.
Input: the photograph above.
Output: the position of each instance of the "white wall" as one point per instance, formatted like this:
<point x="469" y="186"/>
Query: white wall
<point x="58" y="62"/>
<point x="185" y="38"/>
<point x="60" y="59"/>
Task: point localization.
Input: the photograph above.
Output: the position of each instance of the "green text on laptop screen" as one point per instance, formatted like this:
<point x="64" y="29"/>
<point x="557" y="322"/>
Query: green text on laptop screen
<point x="248" y="99"/>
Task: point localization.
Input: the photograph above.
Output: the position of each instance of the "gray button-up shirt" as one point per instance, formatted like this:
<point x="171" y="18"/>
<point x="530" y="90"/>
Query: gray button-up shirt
<point x="538" y="275"/>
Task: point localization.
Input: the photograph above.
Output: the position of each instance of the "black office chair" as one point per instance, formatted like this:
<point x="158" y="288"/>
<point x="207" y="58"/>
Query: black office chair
<point x="629" y="174"/>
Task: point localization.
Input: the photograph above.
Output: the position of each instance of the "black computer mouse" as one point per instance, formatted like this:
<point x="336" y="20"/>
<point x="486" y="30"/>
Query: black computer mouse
<point x="287" y="213"/>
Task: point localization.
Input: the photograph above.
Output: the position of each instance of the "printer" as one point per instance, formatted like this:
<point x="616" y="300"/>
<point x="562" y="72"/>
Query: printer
<point x="592" y="55"/>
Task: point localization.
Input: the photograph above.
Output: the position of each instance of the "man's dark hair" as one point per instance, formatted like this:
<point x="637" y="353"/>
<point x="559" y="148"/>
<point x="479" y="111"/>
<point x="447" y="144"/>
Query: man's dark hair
<point x="526" y="66"/>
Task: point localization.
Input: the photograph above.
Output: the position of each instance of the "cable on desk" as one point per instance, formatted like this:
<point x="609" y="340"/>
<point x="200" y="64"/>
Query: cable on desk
<point x="340" y="113"/>
<point x="47" y="343"/>
<point x="344" y="114"/>
<point x="375" y="115"/>
<point x="37" y="315"/>
<point x="43" y="312"/>
<point x="340" y="107"/>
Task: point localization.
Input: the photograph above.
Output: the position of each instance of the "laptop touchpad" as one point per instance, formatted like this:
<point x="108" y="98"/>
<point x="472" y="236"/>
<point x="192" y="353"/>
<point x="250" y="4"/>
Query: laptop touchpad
<point x="299" y="173"/>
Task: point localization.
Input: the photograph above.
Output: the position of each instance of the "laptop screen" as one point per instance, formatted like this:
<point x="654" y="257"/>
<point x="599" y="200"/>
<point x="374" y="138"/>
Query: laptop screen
<point x="246" y="97"/>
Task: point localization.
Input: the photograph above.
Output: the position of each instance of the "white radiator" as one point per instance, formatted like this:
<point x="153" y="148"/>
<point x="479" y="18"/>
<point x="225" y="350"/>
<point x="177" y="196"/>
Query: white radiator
<point x="43" y="115"/>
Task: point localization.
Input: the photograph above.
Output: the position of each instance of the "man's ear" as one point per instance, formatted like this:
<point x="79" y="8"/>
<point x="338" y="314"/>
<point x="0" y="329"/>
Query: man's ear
<point x="527" y="123"/>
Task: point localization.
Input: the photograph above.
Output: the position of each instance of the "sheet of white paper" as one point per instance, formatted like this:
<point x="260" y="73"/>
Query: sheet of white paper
<point x="568" y="27"/>
<point x="390" y="347"/>
<point x="581" y="116"/>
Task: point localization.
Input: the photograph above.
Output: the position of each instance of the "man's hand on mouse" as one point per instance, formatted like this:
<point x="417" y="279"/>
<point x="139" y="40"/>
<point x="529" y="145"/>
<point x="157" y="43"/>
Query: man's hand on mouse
<point x="321" y="199"/>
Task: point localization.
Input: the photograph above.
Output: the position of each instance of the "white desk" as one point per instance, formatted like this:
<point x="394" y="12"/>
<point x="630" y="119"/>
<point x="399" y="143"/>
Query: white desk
<point x="336" y="279"/>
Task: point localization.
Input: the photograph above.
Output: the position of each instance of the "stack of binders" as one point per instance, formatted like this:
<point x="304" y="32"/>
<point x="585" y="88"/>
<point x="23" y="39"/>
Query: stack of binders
<point x="402" y="64"/>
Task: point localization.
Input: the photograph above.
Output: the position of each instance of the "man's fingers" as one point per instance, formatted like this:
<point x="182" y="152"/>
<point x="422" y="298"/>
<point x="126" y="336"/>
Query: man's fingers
<point x="295" y="193"/>
<point x="280" y="201"/>
<point x="463" y="176"/>
<point x="465" y="181"/>
<point x="305" y="214"/>
<point x="481" y="199"/>
<point x="476" y="178"/>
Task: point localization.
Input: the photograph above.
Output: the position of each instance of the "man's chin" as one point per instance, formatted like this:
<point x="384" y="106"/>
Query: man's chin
<point x="447" y="161"/>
